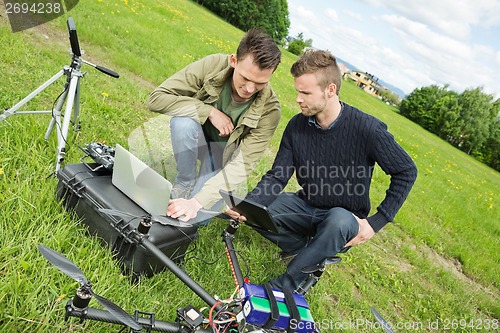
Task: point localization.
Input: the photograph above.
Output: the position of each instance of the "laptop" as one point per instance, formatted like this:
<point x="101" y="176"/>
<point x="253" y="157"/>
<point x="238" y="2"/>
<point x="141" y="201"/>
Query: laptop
<point x="143" y="185"/>
<point x="257" y="215"/>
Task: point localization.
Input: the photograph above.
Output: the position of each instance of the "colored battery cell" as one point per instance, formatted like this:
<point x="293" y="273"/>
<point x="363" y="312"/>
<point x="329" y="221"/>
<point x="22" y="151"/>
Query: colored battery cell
<point x="250" y="290"/>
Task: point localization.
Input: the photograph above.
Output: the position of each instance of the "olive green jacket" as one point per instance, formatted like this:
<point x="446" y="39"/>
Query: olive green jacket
<point x="192" y="91"/>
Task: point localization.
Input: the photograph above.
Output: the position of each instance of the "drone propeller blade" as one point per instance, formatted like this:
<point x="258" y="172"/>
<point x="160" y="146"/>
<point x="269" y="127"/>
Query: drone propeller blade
<point x="320" y="266"/>
<point x="163" y="220"/>
<point x="311" y="269"/>
<point x="166" y="220"/>
<point x="71" y="270"/>
<point x="385" y="325"/>
<point x="118" y="312"/>
<point x="118" y="213"/>
<point x="63" y="264"/>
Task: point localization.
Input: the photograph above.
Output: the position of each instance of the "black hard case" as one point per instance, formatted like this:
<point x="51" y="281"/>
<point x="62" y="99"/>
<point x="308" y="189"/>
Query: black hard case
<point x="85" y="192"/>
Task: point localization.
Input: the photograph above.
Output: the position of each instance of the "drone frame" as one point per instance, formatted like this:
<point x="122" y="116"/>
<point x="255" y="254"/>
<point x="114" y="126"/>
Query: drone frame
<point x="78" y="306"/>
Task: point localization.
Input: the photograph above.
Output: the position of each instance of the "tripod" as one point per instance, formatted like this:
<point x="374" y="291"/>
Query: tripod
<point x="70" y="95"/>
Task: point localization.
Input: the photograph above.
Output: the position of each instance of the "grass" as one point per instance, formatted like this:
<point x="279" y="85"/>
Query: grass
<point x="437" y="264"/>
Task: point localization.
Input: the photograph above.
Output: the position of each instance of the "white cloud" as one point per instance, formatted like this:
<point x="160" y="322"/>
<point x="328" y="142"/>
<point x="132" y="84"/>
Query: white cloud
<point x="304" y="13"/>
<point x="331" y="13"/>
<point x="451" y="17"/>
<point x="355" y="15"/>
<point x="306" y="22"/>
<point x="451" y="61"/>
<point x="421" y="32"/>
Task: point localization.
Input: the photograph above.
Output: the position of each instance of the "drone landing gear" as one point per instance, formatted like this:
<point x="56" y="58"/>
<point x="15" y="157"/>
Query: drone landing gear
<point x="315" y="272"/>
<point x="146" y="320"/>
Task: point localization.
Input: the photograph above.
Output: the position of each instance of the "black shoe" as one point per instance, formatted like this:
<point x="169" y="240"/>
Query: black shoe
<point x="286" y="257"/>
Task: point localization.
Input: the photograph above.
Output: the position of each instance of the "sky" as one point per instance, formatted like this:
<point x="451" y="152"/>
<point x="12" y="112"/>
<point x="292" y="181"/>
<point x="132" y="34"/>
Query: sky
<point x="409" y="43"/>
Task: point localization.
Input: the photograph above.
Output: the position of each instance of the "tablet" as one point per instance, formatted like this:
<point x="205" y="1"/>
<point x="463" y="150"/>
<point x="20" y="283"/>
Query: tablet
<point x="257" y="215"/>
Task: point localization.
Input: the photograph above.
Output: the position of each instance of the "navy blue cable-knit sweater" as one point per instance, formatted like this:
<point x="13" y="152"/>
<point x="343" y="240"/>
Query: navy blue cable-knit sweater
<point x="334" y="167"/>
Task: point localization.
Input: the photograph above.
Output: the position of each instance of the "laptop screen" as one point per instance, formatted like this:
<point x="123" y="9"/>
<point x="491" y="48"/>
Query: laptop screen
<point x="256" y="214"/>
<point x="143" y="185"/>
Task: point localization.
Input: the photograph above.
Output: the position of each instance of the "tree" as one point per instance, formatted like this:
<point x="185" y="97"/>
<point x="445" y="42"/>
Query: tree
<point x="390" y="97"/>
<point x="275" y="19"/>
<point x="469" y="121"/>
<point x="270" y="15"/>
<point x="475" y="113"/>
<point x="298" y="45"/>
<point x="491" y="148"/>
<point x="418" y="105"/>
<point x="447" y="121"/>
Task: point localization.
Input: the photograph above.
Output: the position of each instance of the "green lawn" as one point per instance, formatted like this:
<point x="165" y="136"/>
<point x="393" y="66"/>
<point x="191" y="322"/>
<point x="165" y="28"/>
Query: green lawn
<point x="436" y="268"/>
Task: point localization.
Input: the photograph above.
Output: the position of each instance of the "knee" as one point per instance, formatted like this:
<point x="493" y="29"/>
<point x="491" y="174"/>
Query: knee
<point x="341" y="220"/>
<point x="185" y="126"/>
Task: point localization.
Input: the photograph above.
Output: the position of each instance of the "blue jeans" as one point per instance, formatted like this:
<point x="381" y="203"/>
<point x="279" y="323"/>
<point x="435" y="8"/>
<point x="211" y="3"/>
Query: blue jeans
<point x="189" y="146"/>
<point x="312" y="233"/>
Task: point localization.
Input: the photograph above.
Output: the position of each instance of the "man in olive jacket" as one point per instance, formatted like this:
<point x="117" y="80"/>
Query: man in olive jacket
<point x="224" y="112"/>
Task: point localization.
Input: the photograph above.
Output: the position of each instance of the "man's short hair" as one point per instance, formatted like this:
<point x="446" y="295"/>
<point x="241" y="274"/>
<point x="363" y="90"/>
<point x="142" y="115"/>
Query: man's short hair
<point x="266" y="54"/>
<point x="321" y="63"/>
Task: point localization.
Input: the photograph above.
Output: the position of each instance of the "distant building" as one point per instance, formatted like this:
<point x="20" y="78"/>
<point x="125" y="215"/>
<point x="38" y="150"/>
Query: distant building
<point x="366" y="81"/>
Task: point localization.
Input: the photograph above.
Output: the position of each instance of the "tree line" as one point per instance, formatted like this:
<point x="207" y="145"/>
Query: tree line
<point x="270" y="15"/>
<point x="470" y="121"/>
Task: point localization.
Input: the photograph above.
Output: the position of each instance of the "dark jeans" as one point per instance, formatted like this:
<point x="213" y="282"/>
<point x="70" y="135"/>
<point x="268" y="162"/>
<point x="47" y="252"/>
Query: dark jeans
<point x="314" y="234"/>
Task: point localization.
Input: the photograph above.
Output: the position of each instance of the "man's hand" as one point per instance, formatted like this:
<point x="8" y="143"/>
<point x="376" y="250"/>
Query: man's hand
<point x="221" y="121"/>
<point x="364" y="234"/>
<point x="187" y="208"/>
<point x="235" y="215"/>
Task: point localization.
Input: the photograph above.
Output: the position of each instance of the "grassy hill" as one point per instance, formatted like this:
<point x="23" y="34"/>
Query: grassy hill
<point x="436" y="268"/>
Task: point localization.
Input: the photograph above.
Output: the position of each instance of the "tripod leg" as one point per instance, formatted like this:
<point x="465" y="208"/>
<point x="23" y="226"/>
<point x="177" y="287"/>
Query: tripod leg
<point x="62" y="133"/>
<point x="56" y="116"/>
<point x="13" y="110"/>
<point x="76" y="108"/>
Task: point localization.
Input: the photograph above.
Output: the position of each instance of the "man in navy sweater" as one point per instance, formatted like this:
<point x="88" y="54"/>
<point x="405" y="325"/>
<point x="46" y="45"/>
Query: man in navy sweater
<point x="332" y="148"/>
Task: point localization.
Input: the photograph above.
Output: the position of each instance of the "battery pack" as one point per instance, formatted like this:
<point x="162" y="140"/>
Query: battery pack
<point x="257" y="311"/>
